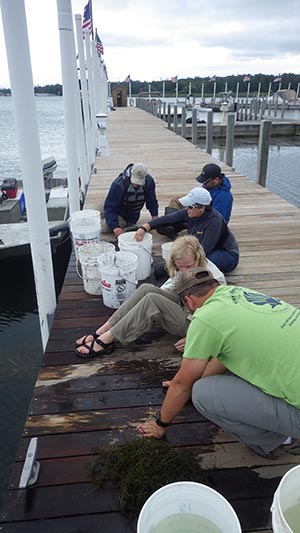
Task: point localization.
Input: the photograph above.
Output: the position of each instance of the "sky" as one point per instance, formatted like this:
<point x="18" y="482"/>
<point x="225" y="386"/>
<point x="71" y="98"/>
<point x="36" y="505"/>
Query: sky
<point x="158" y="39"/>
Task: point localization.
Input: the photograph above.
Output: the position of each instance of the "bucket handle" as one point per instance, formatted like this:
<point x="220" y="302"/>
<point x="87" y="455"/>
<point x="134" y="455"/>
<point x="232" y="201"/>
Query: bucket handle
<point x="128" y="280"/>
<point x="77" y="269"/>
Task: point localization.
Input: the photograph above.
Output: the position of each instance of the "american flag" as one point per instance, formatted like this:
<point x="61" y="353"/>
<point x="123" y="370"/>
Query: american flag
<point x="246" y="78"/>
<point x="174" y="79"/>
<point x="99" y="45"/>
<point x="277" y="79"/>
<point x="212" y="79"/>
<point x="127" y="79"/>
<point x="87" y="23"/>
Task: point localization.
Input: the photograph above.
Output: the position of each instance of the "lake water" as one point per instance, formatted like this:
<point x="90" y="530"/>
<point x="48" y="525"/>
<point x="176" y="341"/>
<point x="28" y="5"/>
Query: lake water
<point x="21" y="350"/>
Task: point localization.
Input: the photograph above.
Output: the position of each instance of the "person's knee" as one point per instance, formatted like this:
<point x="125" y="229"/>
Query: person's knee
<point x="201" y="395"/>
<point x="144" y="289"/>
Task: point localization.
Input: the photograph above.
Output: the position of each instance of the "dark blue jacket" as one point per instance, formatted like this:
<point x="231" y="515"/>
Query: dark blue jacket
<point x="222" y="198"/>
<point x="127" y="202"/>
<point x="210" y="229"/>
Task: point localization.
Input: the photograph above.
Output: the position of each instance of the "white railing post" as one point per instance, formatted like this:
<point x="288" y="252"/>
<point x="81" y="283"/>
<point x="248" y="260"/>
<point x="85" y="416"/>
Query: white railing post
<point x="19" y="64"/>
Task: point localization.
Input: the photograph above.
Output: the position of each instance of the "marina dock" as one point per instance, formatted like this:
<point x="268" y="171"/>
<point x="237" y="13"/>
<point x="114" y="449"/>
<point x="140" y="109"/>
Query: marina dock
<point x="78" y="405"/>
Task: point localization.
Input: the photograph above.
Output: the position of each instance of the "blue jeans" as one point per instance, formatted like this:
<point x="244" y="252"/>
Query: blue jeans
<point x="225" y="261"/>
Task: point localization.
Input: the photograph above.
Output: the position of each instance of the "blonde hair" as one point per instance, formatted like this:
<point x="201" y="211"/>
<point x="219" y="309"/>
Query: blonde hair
<point x="183" y="246"/>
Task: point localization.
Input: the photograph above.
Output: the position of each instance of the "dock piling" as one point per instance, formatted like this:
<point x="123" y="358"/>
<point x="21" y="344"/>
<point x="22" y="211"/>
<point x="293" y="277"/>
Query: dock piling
<point x="263" y="152"/>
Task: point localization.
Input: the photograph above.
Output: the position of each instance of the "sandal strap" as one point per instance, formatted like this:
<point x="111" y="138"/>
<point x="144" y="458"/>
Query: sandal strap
<point x="107" y="347"/>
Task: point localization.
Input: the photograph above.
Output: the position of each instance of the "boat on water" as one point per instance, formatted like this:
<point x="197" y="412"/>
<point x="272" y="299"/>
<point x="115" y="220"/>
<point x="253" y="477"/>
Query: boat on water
<point x="15" y="252"/>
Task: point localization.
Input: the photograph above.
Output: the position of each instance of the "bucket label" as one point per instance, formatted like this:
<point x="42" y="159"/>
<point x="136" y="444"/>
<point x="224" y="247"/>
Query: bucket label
<point x="121" y="289"/>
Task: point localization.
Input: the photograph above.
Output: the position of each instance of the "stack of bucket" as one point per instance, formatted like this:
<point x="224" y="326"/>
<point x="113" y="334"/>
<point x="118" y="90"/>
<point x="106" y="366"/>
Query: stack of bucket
<point x="118" y="277"/>
<point x="85" y="227"/>
<point x="88" y="259"/>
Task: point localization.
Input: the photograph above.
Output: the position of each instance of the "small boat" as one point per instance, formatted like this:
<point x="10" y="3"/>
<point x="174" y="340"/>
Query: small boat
<point x="15" y="252"/>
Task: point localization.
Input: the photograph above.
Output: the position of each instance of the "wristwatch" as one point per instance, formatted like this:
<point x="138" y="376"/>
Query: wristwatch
<point x="159" y="422"/>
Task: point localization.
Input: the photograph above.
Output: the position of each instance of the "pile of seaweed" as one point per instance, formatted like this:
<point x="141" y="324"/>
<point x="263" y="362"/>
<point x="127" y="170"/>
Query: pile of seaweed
<point x="138" y="468"/>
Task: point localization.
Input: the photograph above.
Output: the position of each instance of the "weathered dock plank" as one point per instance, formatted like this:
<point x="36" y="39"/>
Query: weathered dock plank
<point x="78" y="405"/>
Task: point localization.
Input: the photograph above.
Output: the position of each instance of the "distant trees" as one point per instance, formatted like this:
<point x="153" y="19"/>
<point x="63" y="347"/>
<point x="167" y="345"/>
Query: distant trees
<point x="138" y="86"/>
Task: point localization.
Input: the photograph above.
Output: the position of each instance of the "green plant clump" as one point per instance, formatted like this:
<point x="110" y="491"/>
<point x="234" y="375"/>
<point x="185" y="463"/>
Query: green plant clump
<point x="138" y="468"/>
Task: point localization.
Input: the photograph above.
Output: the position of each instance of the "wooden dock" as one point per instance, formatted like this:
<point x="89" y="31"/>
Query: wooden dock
<point x="78" y="405"/>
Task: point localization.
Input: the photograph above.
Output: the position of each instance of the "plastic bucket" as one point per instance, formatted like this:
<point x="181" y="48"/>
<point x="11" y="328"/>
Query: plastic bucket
<point x="197" y="506"/>
<point x="142" y="250"/>
<point x="88" y="258"/>
<point x="287" y="496"/>
<point x="118" y="277"/>
<point x="165" y="250"/>
<point x="85" y="227"/>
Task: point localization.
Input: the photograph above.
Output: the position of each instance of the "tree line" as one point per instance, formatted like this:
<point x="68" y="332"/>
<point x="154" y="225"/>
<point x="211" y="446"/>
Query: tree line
<point x="231" y="81"/>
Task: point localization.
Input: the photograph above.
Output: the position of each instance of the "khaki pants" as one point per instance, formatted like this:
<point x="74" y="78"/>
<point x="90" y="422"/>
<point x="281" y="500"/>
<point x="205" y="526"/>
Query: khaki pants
<point x="148" y="306"/>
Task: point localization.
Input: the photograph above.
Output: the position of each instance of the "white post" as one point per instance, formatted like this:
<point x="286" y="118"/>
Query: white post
<point x="18" y="55"/>
<point x="149" y="90"/>
<point x="202" y="92"/>
<point x="68" y="70"/>
<point x="289" y="86"/>
<point x="226" y="86"/>
<point x="279" y="86"/>
<point x="96" y="78"/>
<point x="176" y="90"/>
<point x="297" y="92"/>
<point x="248" y="89"/>
<point x="164" y="89"/>
<point x="84" y="92"/>
<point x="258" y="90"/>
<point x="130" y="90"/>
<point x="190" y="87"/>
<point x="215" y="87"/>
<point x="87" y="44"/>
<point x="237" y="90"/>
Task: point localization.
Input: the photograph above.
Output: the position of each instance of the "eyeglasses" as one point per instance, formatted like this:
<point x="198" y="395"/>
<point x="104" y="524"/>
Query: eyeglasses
<point x="195" y="206"/>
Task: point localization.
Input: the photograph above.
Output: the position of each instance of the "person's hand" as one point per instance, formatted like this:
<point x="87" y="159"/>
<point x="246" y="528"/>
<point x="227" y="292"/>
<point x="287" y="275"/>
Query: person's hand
<point x="118" y="231"/>
<point x="151" y="429"/>
<point x="139" y="236"/>
<point x="179" y="345"/>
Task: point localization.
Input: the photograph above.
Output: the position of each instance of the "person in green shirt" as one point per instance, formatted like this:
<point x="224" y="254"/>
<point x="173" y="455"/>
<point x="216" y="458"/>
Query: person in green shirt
<point x="253" y="391"/>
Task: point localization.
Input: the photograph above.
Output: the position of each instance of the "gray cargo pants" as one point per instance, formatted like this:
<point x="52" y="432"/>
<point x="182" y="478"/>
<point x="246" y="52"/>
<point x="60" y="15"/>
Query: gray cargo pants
<point x="148" y="306"/>
<point x="260" y="421"/>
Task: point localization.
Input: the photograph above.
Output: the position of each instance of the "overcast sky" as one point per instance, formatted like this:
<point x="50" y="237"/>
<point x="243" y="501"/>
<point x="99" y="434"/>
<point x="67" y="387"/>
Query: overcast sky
<point x="157" y="39"/>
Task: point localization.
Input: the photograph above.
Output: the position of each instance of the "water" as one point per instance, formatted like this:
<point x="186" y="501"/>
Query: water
<point x="185" y="523"/>
<point x="21" y="348"/>
<point x="292" y="516"/>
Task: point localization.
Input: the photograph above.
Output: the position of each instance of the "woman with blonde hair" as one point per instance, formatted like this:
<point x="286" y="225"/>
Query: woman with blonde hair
<point x="150" y="305"/>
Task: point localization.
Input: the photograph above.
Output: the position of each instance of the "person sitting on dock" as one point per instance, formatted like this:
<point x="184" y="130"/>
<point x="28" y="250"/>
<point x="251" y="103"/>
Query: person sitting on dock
<point x="204" y="222"/>
<point x="219" y="186"/>
<point x="126" y="198"/>
<point x="253" y="392"/>
<point x="150" y="305"/>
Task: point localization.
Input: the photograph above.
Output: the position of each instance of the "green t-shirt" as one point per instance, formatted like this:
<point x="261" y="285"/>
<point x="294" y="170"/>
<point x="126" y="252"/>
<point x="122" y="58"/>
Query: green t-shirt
<point x="257" y="337"/>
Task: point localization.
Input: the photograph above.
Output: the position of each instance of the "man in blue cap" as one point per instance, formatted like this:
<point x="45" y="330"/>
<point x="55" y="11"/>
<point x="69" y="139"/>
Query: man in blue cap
<point x="219" y="187"/>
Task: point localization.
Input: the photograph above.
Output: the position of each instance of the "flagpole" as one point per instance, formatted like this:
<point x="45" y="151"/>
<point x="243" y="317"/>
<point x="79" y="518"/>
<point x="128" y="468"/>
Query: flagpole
<point x="176" y="90"/>
<point x="258" y="90"/>
<point x="129" y="89"/>
<point x="248" y="89"/>
<point x="149" y="90"/>
<point x="214" y="93"/>
<point x="92" y="18"/>
<point x="298" y="87"/>
<point x="237" y="90"/>
<point x="164" y="88"/>
<point x="202" y="93"/>
<point x="269" y="90"/>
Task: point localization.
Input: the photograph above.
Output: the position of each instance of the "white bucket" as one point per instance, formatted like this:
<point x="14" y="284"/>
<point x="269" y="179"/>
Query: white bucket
<point x="142" y="250"/>
<point x="88" y="258"/>
<point x="165" y="249"/>
<point x="286" y="497"/>
<point x="118" y="277"/>
<point x="85" y="227"/>
<point x="189" y="501"/>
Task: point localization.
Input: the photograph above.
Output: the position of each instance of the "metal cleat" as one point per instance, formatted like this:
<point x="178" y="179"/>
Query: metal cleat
<point x="31" y="466"/>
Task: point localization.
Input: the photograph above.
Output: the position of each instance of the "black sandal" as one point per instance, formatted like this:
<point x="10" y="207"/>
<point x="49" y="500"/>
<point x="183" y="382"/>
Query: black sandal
<point x="107" y="349"/>
<point x="83" y="343"/>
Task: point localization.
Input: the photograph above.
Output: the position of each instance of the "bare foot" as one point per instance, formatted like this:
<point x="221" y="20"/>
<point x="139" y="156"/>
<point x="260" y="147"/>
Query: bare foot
<point x="89" y="349"/>
<point x="85" y="339"/>
<point x="103" y="329"/>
